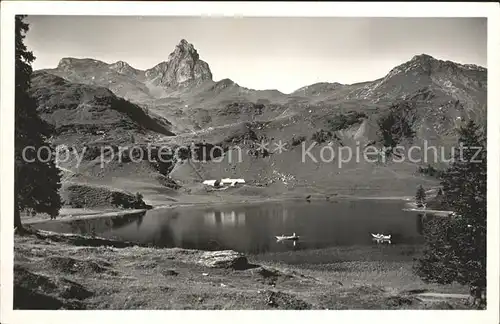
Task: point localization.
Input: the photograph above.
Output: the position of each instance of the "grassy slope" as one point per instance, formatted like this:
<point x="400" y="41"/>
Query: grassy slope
<point x="282" y="175"/>
<point x="287" y="172"/>
<point x="62" y="275"/>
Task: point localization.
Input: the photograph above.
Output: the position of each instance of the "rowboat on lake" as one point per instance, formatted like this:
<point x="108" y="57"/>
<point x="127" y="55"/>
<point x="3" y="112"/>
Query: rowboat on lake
<point x="381" y="236"/>
<point x="293" y="237"/>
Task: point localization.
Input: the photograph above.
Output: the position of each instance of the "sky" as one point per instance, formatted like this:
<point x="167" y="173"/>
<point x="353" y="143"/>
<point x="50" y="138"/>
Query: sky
<point x="262" y="53"/>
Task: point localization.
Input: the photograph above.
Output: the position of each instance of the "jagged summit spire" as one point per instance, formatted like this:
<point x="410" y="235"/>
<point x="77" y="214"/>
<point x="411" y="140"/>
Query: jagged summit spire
<point x="182" y="67"/>
<point x="184" y="44"/>
<point x="184" y="47"/>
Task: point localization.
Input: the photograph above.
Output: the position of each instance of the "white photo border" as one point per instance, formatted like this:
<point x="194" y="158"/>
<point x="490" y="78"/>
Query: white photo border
<point x="246" y="9"/>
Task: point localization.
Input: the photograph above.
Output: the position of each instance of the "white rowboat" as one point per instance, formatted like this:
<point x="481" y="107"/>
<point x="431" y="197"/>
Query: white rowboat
<point x="293" y="237"/>
<point x="381" y="236"/>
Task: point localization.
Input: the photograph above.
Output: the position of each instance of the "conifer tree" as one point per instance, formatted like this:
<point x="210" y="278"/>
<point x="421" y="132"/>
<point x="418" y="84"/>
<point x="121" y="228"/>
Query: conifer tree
<point x="420" y="196"/>
<point x="456" y="246"/>
<point x="36" y="177"/>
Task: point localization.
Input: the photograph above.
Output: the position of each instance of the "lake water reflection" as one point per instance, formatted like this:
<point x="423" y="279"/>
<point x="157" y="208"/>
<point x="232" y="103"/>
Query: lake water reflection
<point x="252" y="228"/>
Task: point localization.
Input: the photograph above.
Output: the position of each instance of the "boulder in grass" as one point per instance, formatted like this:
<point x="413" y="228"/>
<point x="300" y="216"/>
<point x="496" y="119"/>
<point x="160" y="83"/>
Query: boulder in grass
<point x="223" y="259"/>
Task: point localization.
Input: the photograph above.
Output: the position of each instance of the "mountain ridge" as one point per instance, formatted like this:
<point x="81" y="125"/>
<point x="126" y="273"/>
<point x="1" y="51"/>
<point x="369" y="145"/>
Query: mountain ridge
<point x="182" y="89"/>
<point x="120" y="65"/>
<point x="181" y="96"/>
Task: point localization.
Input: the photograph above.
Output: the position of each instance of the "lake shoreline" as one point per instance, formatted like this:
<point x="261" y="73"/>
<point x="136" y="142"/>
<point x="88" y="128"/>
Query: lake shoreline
<point x="72" y="214"/>
<point x="120" y="274"/>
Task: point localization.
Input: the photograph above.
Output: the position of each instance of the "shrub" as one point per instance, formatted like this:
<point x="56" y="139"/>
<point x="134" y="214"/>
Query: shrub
<point x="321" y="136"/>
<point x="82" y="195"/>
<point x="344" y="121"/>
<point x="297" y="140"/>
<point x="430" y="171"/>
<point x="91" y="152"/>
<point x="397" y="124"/>
<point x="128" y="202"/>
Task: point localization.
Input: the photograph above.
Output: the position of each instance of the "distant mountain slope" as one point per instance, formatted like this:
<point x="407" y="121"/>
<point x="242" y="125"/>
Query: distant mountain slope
<point x="75" y="108"/>
<point x="425" y="75"/>
<point x="120" y="78"/>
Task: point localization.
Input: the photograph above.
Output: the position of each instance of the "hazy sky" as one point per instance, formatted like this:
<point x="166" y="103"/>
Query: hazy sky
<point x="262" y="53"/>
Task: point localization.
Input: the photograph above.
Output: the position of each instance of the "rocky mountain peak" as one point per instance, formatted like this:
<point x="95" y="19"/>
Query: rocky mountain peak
<point x="424" y="64"/>
<point x="68" y="63"/>
<point x="182" y="68"/>
<point x="123" y="68"/>
<point x="431" y="64"/>
<point x="426" y="77"/>
<point x="422" y="58"/>
<point x="184" y="49"/>
<point x="120" y="65"/>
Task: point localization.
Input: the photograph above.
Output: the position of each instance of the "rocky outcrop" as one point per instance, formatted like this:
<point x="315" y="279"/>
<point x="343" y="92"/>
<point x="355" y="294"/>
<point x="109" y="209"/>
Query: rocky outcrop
<point x="183" y="67"/>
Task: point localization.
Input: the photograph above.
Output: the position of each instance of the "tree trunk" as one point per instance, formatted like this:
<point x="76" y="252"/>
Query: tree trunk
<point x="17" y="220"/>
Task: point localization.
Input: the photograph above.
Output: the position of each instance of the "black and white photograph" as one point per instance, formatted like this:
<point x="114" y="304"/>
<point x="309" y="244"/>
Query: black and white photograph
<point x="233" y="162"/>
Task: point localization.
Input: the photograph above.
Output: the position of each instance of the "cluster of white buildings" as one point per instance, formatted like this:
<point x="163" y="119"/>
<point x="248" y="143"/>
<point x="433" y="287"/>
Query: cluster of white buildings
<point x="227" y="182"/>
